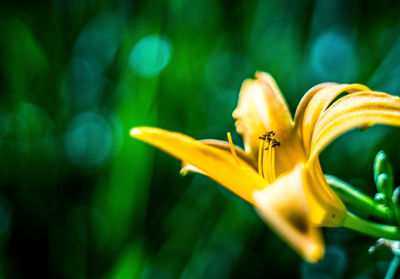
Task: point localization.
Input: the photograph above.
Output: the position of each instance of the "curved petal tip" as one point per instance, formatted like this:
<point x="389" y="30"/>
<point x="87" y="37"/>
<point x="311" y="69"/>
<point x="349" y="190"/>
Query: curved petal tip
<point x="314" y="254"/>
<point x="134" y="131"/>
<point x="283" y="206"/>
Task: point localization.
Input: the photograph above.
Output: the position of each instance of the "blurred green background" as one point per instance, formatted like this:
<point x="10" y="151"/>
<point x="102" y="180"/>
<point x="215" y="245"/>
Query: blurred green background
<point x="80" y="199"/>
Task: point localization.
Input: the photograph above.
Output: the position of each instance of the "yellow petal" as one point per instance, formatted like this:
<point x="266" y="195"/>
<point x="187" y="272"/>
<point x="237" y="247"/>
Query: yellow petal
<point x="239" y="177"/>
<point x="223" y="146"/>
<point x="326" y="209"/>
<point x="307" y="98"/>
<point x="261" y="108"/>
<point x="357" y="109"/>
<point x="284" y="207"/>
<point x="316" y="101"/>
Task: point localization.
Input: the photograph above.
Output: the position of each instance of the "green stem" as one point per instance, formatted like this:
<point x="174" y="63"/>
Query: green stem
<point x="359" y="201"/>
<point x="371" y="228"/>
<point x="394" y="264"/>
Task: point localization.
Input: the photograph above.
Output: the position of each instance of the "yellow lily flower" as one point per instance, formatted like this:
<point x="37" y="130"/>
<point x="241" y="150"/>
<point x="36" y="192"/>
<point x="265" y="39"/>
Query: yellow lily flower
<point x="278" y="171"/>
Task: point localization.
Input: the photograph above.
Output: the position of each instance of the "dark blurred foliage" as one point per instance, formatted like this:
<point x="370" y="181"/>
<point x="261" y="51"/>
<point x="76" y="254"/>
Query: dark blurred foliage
<point x="80" y="199"/>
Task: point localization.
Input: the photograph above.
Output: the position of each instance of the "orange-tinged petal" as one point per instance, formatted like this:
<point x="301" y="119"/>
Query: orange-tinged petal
<point x="314" y="103"/>
<point x="239" y="177"/>
<point x="223" y="146"/>
<point x="261" y="108"/>
<point x="284" y="207"/>
<point x="358" y="109"/>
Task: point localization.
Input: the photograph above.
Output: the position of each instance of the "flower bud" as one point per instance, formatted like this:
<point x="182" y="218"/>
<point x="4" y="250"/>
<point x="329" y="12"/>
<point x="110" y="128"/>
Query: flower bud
<point x="380" y="198"/>
<point x="383" y="174"/>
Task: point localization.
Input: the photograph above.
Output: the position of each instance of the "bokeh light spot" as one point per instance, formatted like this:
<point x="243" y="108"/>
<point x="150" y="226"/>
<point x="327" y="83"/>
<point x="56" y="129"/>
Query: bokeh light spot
<point x="86" y="76"/>
<point x="333" y="57"/>
<point x="88" y="139"/>
<point x="150" y="55"/>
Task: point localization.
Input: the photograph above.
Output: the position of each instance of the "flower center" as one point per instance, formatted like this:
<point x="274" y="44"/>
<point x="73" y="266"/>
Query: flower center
<point x="266" y="156"/>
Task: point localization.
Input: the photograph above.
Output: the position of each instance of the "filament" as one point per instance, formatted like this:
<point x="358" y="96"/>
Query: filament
<point x="271" y="166"/>
<point x="266" y="157"/>
<point x="232" y="147"/>
<point x="266" y="160"/>
<point x="260" y="158"/>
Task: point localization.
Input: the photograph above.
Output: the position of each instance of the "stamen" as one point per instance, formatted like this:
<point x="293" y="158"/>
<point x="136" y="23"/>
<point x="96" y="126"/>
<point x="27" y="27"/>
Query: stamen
<point x="266" y="160"/>
<point x="268" y="156"/>
<point x="271" y="166"/>
<point x="260" y="158"/>
<point x="232" y="147"/>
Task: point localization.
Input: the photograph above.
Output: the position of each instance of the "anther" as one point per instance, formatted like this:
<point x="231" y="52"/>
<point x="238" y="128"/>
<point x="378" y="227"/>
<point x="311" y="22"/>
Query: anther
<point x="275" y="143"/>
